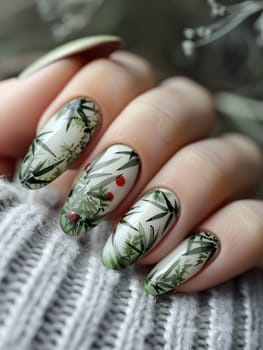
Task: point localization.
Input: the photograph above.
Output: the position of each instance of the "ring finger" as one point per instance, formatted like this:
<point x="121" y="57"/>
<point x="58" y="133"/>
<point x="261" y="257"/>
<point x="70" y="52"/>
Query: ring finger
<point x="204" y="176"/>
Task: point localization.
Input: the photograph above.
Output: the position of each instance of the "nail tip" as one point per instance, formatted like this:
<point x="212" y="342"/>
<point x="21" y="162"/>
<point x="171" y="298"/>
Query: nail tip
<point x="64" y="230"/>
<point x="67" y="232"/>
<point x="28" y="185"/>
<point x="109" y="266"/>
<point x="148" y="288"/>
<point x="110" y="263"/>
<point x="72" y="227"/>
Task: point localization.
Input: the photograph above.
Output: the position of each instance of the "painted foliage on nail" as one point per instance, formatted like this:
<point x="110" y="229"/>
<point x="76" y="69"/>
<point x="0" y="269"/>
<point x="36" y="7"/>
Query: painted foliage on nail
<point x="183" y="263"/>
<point x="100" y="189"/>
<point x="60" y="142"/>
<point x="141" y="228"/>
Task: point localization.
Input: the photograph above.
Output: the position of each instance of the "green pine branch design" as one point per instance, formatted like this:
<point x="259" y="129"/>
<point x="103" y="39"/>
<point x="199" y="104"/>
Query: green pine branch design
<point x="200" y="248"/>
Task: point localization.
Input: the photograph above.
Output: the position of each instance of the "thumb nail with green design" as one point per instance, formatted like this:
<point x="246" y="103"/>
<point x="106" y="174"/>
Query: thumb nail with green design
<point x="181" y="264"/>
<point x="141" y="228"/>
<point x="100" y="189"/>
<point x="60" y="142"/>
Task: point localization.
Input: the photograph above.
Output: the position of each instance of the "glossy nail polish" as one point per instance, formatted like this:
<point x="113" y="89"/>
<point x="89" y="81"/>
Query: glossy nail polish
<point x="100" y="189"/>
<point x="141" y="228"/>
<point x="59" y="143"/>
<point x="182" y="263"/>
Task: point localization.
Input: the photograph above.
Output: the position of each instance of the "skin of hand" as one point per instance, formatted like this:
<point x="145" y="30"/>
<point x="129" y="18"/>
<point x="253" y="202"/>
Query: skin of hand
<point x="178" y="198"/>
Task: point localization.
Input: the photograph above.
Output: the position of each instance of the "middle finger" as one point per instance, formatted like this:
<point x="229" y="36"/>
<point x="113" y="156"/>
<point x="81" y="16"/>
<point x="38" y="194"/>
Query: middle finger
<point x="146" y="133"/>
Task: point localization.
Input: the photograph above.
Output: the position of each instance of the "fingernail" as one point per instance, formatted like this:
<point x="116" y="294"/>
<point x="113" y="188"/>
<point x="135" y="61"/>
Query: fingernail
<point x="100" y="189"/>
<point x="59" y="143"/>
<point x="183" y="263"/>
<point x="141" y="228"/>
<point x="94" y="47"/>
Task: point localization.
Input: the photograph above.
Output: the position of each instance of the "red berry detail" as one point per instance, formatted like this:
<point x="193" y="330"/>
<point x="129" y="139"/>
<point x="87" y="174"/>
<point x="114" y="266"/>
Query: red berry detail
<point x="110" y="196"/>
<point x="120" y="181"/>
<point x="73" y="216"/>
<point x="87" y="166"/>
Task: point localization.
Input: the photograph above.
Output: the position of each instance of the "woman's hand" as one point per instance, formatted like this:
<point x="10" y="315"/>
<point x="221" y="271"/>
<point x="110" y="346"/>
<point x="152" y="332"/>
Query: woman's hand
<point x="140" y="155"/>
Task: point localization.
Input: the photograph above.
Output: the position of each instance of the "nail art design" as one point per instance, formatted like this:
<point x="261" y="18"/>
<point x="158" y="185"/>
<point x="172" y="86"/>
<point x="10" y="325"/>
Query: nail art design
<point x="60" y="142"/>
<point x="181" y="264"/>
<point x="141" y="228"/>
<point x="100" y="189"/>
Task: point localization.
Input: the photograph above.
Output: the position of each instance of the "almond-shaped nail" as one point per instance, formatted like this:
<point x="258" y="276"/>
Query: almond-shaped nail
<point x="60" y="142"/>
<point x="141" y="228"/>
<point x="93" y="47"/>
<point x="181" y="264"/>
<point x="100" y="189"/>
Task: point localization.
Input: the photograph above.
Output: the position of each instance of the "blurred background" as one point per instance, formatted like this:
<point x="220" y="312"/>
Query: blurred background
<point x="226" y="51"/>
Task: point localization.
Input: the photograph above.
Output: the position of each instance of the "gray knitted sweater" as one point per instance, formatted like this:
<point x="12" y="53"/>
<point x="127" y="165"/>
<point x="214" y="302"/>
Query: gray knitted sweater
<point x="56" y="294"/>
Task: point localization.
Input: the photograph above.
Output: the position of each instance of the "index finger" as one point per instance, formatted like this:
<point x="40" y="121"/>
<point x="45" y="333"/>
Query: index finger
<point x="81" y="113"/>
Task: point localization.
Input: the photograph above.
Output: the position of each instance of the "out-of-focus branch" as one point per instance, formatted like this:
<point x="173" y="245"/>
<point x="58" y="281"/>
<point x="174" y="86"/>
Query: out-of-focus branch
<point x="244" y="113"/>
<point x="228" y="18"/>
<point x="237" y="106"/>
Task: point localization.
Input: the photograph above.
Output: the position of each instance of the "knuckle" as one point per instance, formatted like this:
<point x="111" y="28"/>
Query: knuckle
<point x="203" y="159"/>
<point x="245" y="145"/>
<point x="122" y="68"/>
<point x="199" y="96"/>
<point x="220" y="161"/>
<point x="164" y="111"/>
<point x="99" y="67"/>
<point x="184" y="83"/>
<point x="128" y="59"/>
<point x="158" y="101"/>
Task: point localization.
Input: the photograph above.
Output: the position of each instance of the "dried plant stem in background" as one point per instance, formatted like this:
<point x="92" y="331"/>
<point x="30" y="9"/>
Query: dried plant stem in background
<point x="228" y="18"/>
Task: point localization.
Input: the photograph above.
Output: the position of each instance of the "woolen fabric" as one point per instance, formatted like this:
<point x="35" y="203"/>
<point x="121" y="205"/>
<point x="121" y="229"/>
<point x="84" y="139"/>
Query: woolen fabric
<point x="56" y="294"/>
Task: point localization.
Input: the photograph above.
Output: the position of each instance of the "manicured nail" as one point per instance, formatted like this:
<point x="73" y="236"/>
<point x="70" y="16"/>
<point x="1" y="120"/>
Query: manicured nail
<point x="59" y="143"/>
<point x="141" y="228"/>
<point x="183" y="263"/>
<point x="100" y="189"/>
<point x="93" y="46"/>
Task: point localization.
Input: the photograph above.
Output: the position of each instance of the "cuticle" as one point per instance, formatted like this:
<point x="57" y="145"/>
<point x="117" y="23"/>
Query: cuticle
<point x="125" y="145"/>
<point x="78" y="97"/>
<point x="218" y="242"/>
<point x="154" y="188"/>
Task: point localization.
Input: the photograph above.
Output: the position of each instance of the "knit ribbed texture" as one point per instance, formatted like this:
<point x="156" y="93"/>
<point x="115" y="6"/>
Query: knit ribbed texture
<point x="56" y="294"/>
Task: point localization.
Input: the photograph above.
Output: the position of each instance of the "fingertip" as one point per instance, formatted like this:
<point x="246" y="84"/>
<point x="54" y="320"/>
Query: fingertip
<point x="139" y="66"/>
